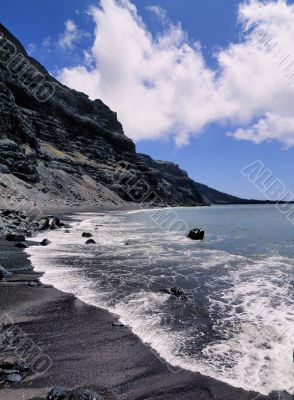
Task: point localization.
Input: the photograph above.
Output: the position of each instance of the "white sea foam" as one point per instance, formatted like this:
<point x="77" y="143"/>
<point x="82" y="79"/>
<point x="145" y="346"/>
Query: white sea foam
<point x="253" y="297"/>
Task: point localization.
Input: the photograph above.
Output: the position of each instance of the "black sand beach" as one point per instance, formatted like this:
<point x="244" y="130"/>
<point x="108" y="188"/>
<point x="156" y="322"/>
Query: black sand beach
<point x="87" y="350"/>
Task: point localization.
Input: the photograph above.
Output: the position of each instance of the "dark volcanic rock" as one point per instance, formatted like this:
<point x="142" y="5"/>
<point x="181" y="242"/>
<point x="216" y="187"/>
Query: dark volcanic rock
<point x="12" y="221"/>
<point x="21" y="246"/>
<point x="90" y="241"/>
<point x="196" y="234"/>
<point x="11" y="364"/>
<point x="69" y="143"/>
<point x="45" y="242"/>
<point x="87" y="234"/>
<point x="50" y="223"/>
<point x="15" y="237"/>
<point x="22" y="226"/>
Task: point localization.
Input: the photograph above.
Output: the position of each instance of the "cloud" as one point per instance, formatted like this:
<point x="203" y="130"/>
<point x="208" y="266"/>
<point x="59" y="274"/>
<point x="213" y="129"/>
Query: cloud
<point x="71" y="36"/>
<point x="159" y="12"/>
<point x="47" y="44"/>
<point x="271" y="126"/>
<point x="31" y="48"/>
<point x="162" y="87"/>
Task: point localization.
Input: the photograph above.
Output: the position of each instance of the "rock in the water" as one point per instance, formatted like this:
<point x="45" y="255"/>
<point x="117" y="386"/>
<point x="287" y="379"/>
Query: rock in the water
<point x="196" y="234"/>
<point x="131" y="242"/>
<point x="21" y="246"/>
<point x="178" y="292"/>
<point x="87" y="234"/>
<point x="85" y="394"/>
<point x="14" y="378"/>
<point x="4" y="274"/>
<point x="45" y="242"/>
<point x="90" y="241"/>
<point x="15" y="237"/>
<point x="57" y="393"/>
<point x="50" y="223"/>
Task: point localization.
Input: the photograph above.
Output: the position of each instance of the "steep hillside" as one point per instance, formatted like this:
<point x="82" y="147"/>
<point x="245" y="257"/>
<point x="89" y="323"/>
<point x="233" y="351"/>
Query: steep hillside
<point x="55" y="143"/>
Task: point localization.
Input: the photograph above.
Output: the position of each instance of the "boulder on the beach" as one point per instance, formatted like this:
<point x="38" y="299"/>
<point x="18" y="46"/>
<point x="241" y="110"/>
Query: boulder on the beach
<point x="196" y="234"/>
<point x="50" y="223"/>
<point x="45" y="242"/>
<point x="11" y="364"/>
<point x="90" y="241"/>
<point x="13" y="378"/>
<point x="87" y="235"/>
<point x="4" y="274"/>
<point x="57" y="393"/>
<point x="15" y="237"/>
<point x="85" y="394"/>
<point x="21" y="245"/>
<point x="178" y="292"/>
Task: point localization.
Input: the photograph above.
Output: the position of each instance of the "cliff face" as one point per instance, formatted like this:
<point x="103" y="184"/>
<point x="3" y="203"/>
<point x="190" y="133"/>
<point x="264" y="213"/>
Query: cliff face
<point x="56" y="142"/>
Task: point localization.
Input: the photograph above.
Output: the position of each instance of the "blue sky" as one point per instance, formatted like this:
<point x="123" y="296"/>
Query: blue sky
<point x="210" y="156"/>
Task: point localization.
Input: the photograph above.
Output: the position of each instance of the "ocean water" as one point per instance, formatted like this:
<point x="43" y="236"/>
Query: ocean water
<point x="237" y="322"/>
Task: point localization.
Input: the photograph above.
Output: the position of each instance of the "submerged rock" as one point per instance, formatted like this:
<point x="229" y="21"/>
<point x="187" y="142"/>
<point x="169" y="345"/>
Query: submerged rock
<point x="90" y="241"/>
<point x="57" y="393"/>
<point x="87" y="235"/>
<point x="196" y="234"/>
<point x="45" y="242"/>
<point x="131" y="242"/>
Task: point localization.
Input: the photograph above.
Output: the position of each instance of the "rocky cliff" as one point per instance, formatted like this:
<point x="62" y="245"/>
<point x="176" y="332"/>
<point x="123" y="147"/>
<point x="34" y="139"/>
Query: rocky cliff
<point x="56" y="144"/>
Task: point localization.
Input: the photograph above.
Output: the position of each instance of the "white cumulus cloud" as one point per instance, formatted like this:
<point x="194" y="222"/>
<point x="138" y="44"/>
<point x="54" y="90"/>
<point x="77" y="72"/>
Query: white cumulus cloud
<point x="71" y="35"/>
<point x="162" y="87"/>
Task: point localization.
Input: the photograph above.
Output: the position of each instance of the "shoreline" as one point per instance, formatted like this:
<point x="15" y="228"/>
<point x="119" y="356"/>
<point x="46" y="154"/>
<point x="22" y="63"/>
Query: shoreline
<point x="110" y="359"/>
